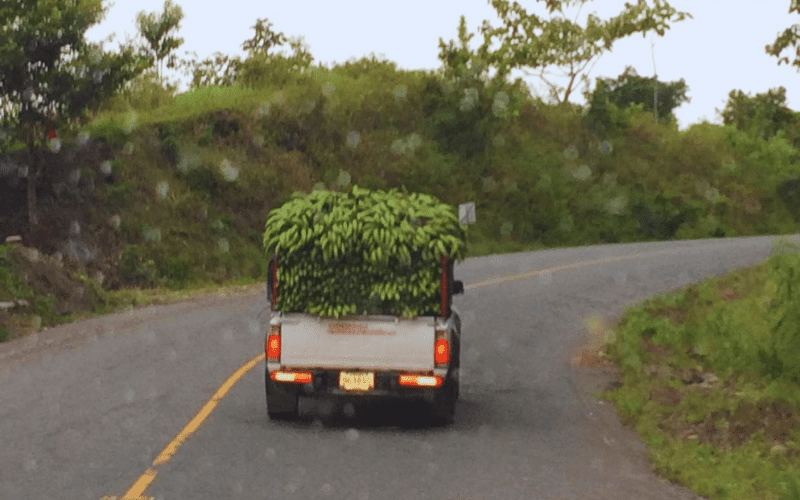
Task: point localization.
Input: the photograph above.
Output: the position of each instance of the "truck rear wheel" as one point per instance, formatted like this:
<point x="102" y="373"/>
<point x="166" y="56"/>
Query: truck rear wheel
<point x="281" y="403"/>
<point x="443" y="409"/>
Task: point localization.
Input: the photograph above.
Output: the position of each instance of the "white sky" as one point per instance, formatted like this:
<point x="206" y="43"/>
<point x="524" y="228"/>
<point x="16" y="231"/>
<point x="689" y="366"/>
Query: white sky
<point x="721" y="49"/>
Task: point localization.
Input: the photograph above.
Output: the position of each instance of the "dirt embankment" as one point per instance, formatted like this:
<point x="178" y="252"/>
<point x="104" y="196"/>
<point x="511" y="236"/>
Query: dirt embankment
<point x="75" y="232"/>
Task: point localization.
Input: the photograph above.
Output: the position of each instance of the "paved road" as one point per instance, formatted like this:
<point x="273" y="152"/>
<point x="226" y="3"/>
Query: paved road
<point x="86" y="408"/>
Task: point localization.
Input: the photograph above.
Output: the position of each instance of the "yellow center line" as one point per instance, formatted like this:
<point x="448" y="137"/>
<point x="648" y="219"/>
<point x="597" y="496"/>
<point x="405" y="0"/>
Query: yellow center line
<point x="575" y="265"/>
<point x="137" y="490"/>
<point x="141" y="484"/>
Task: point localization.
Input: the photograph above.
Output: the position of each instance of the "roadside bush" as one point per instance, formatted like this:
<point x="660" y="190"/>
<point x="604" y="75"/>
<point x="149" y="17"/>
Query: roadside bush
<point x="660" y="218"/>
<point x="204" y="178"/>
<point x="176" y="271"/>
<point x="789" y="192"/>
<point x="169" y="143"/>
<point x="136" y="268"/>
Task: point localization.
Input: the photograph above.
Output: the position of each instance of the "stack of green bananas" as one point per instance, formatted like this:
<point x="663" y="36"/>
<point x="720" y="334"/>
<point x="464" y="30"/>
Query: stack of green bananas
<point x="362" y="251"/>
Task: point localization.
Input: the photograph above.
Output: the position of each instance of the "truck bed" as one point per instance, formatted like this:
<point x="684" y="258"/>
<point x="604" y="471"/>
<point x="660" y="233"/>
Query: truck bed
<point x="357" y="342"/>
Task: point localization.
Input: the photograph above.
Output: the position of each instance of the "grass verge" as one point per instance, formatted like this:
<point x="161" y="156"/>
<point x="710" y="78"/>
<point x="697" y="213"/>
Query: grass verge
<point x="710" y="380"/>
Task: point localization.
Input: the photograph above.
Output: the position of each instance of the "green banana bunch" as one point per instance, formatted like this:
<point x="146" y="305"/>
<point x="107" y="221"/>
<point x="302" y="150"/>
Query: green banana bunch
<point x="365" y="251"/>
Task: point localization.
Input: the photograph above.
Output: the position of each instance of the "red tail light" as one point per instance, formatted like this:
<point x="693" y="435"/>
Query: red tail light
<point x="273" y="344"/>
<point x="441" y="352"/>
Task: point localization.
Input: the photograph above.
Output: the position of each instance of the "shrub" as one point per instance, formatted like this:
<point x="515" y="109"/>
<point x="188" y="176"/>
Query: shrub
<point x="136" y="268"/>
<point x="176" y="270"/>
<point x="789" y="193"/>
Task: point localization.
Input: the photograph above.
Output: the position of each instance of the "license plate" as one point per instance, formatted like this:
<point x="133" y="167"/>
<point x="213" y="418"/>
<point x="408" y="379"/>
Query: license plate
<point x="357" y="381"/>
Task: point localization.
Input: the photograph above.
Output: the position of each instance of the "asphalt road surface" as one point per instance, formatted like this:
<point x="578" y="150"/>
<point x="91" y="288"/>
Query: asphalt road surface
<point x="125" y="404"/>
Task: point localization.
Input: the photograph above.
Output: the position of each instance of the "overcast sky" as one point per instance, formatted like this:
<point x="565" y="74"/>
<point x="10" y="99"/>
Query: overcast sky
<point x="721" y="49"/>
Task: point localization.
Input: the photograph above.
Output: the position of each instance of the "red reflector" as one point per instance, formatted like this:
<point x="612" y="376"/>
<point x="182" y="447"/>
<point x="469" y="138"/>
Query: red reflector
<point x="273" y="346"/>
<point x="296" y="377"/>
<point x="441" y="352"/>
<point x="420" y="380"/>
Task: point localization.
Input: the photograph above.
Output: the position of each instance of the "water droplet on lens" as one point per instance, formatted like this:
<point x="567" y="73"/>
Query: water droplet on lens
<point x="351" y="434"/>
<point x="270" y="453"/>
<point x="229" y="171"/>
<point x="223" y="245"/>
<point x="128" y="148"/>
<point x="503" y="343"/>
<point x="352" y="139"/>
<point x="227" y="335"/>
<point x="131" y="121"/>
<point x="399" y="93"/>
<point x="583" y="173"/>
<point x="162" y="188"/>
<point x="571" y="153"/>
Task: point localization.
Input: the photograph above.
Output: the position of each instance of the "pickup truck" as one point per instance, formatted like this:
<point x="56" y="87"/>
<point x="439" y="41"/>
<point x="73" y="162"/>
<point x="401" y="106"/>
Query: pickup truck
<point x="364" y="356"/>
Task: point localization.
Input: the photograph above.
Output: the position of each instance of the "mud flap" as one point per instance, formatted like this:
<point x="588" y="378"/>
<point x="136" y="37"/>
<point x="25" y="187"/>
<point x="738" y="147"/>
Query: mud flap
<point x="281" y="400"/>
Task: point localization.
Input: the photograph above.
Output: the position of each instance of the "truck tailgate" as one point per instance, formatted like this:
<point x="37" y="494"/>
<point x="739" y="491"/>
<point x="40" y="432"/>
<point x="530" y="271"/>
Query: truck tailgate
<point x="373" y="343"/>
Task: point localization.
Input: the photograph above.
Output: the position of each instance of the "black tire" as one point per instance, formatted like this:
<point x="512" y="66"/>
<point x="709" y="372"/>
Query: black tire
<point x="281" y="403"/>
<point x="443" y="409"/>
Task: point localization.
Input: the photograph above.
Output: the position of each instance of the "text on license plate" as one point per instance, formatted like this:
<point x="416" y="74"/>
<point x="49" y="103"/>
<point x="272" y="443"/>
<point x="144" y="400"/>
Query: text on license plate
<point x="357" y="381"/>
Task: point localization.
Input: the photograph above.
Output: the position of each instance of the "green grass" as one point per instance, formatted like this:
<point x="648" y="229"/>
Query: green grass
<point x="719" y="326"/>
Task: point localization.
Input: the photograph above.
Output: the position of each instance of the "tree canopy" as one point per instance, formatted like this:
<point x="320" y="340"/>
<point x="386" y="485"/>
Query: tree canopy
<point x="629" y="88"/>
<point x="763" y="115"/>
<point x="49" y="73"/>
<point x="158" y="31"/>
<point x="788" y="39"/>
<point x="527" y="41"/>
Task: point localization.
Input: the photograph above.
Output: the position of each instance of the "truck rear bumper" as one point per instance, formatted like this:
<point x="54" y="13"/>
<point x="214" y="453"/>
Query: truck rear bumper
<point x="325" y="383"/>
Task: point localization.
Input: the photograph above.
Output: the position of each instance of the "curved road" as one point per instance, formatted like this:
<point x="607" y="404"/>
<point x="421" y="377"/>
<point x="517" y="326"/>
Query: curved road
<point x="86" y="409"/>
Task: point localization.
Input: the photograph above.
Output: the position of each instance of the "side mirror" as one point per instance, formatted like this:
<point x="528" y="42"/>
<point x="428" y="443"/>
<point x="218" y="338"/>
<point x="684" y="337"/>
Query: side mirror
<point x="458" y="287"/>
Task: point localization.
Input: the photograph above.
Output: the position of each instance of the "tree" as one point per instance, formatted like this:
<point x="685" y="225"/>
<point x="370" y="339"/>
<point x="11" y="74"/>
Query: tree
<point x="464" y="106"/>
<point x="789" y="38"/>
<point x="219" y="70"/>
<point x="50" y="75"/>
<point x="629" y="88"/>
<point x="158" y="30"/>
<point x="528" y="41"/>
<point x="763" y="115"/>
<point x="264" y="38"/>
<point x="261" y="67"/>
